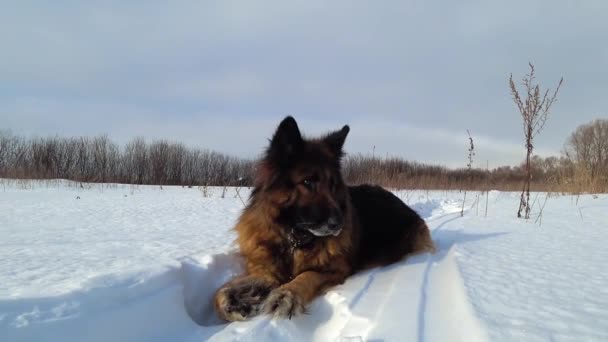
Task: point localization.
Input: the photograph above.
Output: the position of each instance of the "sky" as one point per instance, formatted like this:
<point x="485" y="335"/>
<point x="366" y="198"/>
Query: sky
<point x="409" y="77"/>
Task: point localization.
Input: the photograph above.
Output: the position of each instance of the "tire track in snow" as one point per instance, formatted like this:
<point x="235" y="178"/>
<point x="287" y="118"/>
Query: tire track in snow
<point x="425" y="280"/>
<point x="440" y="266"/>
<point x="386" y="280"/>
<point x="423" y="301"/>
<point x="370" y="280"/>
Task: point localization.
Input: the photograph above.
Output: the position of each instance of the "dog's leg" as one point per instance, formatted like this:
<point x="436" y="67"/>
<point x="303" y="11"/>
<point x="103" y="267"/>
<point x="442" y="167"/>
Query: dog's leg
<point x="242" y="297"/>
<point x="292" y="298"/>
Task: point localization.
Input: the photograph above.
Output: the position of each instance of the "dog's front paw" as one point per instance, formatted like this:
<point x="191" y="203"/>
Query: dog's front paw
<point x="283" y="303"/>
<point x="230" y="308"/>
<point x="240" y="302"/>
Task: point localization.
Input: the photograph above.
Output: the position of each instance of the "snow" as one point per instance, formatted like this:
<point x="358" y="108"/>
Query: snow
<point x="66" y="238"/>
<point x="537" y="283"/>
<point x="140" y="263"/>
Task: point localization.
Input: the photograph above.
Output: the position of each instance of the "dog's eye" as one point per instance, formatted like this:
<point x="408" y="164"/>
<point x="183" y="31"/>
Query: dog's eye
<point x="332" y="184"/>
<point x="309" y="183"/>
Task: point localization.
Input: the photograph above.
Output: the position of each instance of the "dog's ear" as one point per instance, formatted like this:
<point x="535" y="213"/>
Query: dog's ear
<point x="335" y="140"/>
<point x="287" y="138"/>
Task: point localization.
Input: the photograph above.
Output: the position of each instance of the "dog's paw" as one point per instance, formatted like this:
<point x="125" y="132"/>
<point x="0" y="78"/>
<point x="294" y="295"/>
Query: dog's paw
<point x="242" y="301"/>
<point x="283" y="303"/>
<point x="229" y="308"/>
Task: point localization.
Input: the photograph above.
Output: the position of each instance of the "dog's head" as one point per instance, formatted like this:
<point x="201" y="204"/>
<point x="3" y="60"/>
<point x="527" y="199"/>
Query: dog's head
<point x="303" y="178"/>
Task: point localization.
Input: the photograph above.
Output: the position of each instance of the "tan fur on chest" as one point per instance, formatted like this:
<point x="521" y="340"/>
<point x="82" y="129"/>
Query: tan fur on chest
<point x="260" y="241"/>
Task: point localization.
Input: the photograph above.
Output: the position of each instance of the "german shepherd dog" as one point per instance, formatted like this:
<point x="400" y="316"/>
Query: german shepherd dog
<point x="304" y="230"/>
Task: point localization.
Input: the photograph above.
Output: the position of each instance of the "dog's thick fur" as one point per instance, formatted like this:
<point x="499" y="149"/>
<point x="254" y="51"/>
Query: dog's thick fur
<point x="304" y="230"/>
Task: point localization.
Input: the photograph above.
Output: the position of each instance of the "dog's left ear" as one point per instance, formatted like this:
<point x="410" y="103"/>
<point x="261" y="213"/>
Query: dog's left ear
<point x="286" y="140"/>
<point x="335" y="140"/>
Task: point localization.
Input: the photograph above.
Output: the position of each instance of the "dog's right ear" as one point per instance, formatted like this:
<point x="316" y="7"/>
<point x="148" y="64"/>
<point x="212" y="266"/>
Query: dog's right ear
<point x="335" y="140"/>
<point x="287" y="139"/>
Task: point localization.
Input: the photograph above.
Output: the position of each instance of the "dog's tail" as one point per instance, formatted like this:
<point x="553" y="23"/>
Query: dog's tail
<point x="423" y="242"/>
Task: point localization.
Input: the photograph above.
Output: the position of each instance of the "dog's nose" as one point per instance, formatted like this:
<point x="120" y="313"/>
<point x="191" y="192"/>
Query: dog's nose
<point x="334" y="223"/>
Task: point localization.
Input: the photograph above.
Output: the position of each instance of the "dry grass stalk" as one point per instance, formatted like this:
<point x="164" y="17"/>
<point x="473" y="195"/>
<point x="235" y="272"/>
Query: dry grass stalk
<point x="534" y="110"/>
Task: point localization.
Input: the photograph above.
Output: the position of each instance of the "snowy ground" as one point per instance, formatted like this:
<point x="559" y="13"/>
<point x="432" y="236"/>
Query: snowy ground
<point x="125" y="263"/>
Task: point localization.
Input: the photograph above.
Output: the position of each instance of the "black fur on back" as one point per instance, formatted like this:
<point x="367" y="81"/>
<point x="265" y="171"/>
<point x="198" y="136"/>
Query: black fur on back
<point x="388" y="226"/>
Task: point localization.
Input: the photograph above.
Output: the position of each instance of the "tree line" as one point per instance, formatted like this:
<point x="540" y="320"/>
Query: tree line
<point x="98" y="159"/>
<point x="582" y="167"/>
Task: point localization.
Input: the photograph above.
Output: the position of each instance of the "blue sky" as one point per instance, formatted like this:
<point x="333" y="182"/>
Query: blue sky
<point x="409" y="77"/>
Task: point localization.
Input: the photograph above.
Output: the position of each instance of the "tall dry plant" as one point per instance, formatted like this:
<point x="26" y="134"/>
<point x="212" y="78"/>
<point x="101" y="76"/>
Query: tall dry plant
<point x="534" y="109"/>
<point x="471" y="154"/>
<point x="487" y="188"/>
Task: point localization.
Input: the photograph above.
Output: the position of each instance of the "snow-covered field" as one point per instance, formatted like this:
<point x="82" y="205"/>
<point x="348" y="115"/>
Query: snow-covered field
<point x="124" y="263"/>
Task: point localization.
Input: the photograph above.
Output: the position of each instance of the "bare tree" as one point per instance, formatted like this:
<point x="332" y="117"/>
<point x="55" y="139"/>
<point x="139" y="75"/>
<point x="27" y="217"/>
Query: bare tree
<point x="588" y="147"/>
<point x="45" y="156"/>
<point x="159" y="159"/>
<point x="21" y="158"/>
<point x="83" y="160"/>
<point x="190" y="168"/>
<point x="6" y="147"/>
<point x="67" y="158"/>
<point x="534" y="110"/>
<point x="104" y="154"/>
<point x="177" y="156"/>
<point x="136" y="162"/>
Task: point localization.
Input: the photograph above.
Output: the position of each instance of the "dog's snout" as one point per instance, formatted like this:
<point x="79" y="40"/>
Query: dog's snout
<point x="333" y="223"/>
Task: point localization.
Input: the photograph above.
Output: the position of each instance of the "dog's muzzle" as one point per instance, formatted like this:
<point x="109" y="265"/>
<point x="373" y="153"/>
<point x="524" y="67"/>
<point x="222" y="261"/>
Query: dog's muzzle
<point x="325" y="230"/>
<point x="332" y="227"/>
